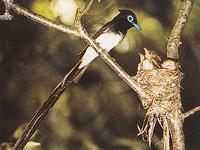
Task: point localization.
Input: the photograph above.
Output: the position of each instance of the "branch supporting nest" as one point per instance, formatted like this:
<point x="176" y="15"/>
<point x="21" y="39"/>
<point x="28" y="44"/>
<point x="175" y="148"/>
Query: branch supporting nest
<point x="174" y="39"/>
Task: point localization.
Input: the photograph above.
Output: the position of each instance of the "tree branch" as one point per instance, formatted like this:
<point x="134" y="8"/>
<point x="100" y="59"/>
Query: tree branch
<point x="191" y="112"/>
<point x="176" y="118"/>
<point x="80" y="13"/>
<point x="84" y="35"/>
<point x="6" y="15"/>
<point x="43" y="20"/>
<point x="174" y="40"/>
<point x="75" y="30"/>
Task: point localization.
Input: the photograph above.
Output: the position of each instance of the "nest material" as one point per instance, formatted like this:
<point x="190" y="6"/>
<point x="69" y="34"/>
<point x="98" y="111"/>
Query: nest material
<point x="161" y="81"/>
<point x="163" y="85"/>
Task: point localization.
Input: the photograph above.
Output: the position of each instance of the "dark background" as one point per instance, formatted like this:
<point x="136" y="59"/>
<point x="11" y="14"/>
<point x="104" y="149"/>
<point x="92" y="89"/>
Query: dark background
<point x="101" y="110"/>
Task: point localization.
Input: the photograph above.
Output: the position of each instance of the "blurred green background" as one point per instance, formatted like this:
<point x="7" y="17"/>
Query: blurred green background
<point x="101" y="111"/>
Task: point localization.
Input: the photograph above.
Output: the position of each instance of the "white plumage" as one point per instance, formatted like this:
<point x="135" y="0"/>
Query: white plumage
<point x="106" y="41"/>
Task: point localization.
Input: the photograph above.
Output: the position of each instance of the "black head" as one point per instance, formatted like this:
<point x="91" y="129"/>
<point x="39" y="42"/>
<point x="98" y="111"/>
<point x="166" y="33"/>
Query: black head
<point x="125" y="20"/>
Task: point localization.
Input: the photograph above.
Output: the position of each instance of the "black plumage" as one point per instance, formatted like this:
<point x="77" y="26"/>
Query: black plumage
<point x="109" y="36"/>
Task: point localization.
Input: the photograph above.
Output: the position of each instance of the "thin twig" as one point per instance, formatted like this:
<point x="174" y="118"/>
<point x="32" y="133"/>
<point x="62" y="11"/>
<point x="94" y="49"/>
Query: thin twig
<point x="6" y="15"/>
<point x="191" y="112"/>
<point x="174" y="39"/>
<point x="166" y="136"/>
<point x="77" y="22"/>
<point x="43" y="20"/>
<point x="84" y="11"/>
<point x="78" y="31"/>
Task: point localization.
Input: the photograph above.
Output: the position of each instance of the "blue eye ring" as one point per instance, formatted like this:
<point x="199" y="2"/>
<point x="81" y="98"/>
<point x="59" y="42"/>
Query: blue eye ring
<point x="130" y="18"/>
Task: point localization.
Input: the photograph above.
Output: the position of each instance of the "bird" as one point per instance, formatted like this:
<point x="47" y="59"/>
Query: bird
<point x="108" y="37"/>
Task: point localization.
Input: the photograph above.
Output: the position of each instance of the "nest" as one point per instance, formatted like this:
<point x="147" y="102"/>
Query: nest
<point x="163" y="86"/>
<point x="161" y="81"/>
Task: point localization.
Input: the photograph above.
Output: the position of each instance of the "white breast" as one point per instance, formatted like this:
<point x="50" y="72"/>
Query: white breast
<point x="106" y="41"/>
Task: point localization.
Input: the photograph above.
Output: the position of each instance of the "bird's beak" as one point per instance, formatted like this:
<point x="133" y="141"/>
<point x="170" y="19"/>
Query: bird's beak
<point x="137" y="26"/>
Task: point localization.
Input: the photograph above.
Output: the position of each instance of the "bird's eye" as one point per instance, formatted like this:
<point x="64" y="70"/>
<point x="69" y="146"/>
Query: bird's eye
<point x="130" y="18"/>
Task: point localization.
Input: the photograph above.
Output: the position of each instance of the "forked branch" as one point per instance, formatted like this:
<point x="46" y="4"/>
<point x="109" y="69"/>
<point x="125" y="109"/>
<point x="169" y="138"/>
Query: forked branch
<point x="6" y="15"/>
<point x="80" y="13"/>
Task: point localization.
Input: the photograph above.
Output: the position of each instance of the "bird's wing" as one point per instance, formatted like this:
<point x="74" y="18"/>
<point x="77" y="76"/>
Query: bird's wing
<point x="102" y="30"/>
<point x="76" y="73"/>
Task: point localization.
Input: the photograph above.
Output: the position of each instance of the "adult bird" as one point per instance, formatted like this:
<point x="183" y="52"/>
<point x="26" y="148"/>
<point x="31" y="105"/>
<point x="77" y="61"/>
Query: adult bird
<point x="109" y="36"/>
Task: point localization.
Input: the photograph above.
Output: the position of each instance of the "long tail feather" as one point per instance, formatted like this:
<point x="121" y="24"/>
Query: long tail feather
<point x="74" y="74"/>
